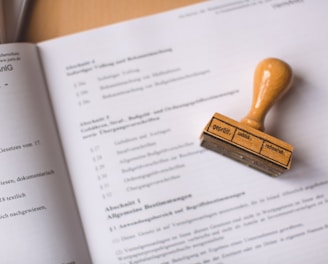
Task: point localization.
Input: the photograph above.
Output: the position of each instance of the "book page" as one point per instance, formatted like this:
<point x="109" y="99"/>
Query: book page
<point x="14" y="18"/>
<point x="39" y="221"/>
<point x="131" y="101"/>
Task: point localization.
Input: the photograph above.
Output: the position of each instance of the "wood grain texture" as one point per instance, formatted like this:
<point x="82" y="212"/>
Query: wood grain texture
<point x="49" y="19"/>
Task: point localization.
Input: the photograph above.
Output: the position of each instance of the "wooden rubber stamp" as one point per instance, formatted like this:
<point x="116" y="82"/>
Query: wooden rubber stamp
<point x="245" y="141"/>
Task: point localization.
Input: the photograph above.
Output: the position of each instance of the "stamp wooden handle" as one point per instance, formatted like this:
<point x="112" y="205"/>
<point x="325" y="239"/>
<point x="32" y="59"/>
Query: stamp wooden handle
<point x="272" y="79"/>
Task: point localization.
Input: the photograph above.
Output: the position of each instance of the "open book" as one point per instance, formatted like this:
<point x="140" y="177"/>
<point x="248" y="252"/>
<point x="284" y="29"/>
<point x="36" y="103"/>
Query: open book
<point x="100" y="159"/>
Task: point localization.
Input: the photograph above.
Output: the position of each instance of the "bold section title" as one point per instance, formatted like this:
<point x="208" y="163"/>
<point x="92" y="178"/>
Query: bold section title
<point x="5" y="68"/>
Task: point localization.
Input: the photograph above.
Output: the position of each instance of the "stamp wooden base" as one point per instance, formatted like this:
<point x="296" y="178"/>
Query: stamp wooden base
<point x="247" y="145"/>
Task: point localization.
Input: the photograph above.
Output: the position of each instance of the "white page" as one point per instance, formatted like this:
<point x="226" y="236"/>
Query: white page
<point x="131" y="101"/>
<point x="39" y="221"/>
